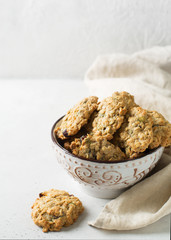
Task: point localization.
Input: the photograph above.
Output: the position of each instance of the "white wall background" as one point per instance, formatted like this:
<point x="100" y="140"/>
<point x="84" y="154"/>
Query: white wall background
<point x="61" y="38"/>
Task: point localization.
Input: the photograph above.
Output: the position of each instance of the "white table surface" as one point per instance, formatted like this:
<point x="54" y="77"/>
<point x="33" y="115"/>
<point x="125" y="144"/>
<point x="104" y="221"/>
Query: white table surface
<point x="28" y="165"/>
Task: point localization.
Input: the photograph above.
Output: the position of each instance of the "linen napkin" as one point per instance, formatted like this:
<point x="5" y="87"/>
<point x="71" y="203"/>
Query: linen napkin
<point x="146" y="75"/>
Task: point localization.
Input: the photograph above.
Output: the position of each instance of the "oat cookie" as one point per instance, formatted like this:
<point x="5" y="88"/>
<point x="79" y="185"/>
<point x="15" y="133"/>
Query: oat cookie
<point x="89" y="126"/>
<point x="67" y="142"/>
<point x="55" y="209"/>
<point x="76" y="117"/>
<point x="161" y="130"/>
<point x="97" y="148"/>
<point x="126" y="97"/>
<point x="111" y="112"/>
<point x="136" y="134"/>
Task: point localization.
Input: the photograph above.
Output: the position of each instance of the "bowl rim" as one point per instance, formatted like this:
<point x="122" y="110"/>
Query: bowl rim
<point x="55" y="141"/>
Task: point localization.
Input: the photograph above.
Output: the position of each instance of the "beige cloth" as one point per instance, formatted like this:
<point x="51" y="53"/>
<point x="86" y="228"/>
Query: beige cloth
<point x="146" y="75"/>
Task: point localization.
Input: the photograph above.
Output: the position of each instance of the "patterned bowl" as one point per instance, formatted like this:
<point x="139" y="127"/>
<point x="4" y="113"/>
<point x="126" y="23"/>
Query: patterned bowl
<point x="105" y="179"/>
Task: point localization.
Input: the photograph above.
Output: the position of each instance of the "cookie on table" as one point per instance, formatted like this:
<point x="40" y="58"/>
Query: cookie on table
<point x="161" y="130"/>
<point x="97" y="148"/>
<point x="111" y="112"/>
<point x="76" y="117"/>
<point x="55" y="209"/>
<point x="136" y="134"/>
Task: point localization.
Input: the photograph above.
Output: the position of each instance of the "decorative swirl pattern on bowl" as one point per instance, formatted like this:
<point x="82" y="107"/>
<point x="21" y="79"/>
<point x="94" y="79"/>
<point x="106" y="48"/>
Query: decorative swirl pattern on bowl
<point x="108" y="176"/>
<point x="83" y="173"/>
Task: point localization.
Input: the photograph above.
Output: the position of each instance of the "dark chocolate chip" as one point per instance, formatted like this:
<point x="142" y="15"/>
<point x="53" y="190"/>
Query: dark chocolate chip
<point x="65" y="133"/>
<point x="82" y="138"/>
<point x="41" y="195"/>
<point x="56" y="217"/>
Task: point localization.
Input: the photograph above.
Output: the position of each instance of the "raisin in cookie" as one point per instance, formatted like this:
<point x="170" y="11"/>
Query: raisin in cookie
<point x="67" y="142"/>
<point x="111" y="112"/>
<point x="161" y="130"/>
<point x="55" y="209"/>
<point x="97" y="148"/>
<point x="76" y="117"/>
<point x="135" y="134"/>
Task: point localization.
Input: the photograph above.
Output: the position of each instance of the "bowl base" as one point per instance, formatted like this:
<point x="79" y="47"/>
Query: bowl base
<point x="103" y="193"/>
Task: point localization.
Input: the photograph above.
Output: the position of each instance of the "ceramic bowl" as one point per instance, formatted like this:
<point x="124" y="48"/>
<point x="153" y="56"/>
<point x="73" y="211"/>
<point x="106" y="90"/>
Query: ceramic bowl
<point x="105" y="179"/>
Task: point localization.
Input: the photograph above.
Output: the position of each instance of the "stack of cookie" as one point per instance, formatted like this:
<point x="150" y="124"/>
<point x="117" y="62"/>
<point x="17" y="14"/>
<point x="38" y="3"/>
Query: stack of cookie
<point x="114" y="129"/>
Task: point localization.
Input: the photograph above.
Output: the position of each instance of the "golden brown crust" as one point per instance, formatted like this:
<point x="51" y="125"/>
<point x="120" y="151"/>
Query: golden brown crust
<point x="55" y="209"/>
<point x="97" y="148"/>
<point x="111" y="113"/>
<point x="67" y="142"/>
<point x="136" y="134"/>
<point x="161" y="130"/>
<point x="76" y="117"/>
<point x="126" y="98"/>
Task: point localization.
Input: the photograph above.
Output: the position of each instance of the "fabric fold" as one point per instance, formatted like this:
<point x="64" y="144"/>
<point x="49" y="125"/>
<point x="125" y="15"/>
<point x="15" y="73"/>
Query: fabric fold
<point x="146" y="75"/>
<point x="143" y="204"/>
<point x="148" y="70"/>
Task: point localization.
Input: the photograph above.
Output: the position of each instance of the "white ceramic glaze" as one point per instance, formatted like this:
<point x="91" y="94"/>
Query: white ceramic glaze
<point x="106" y="180"/>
